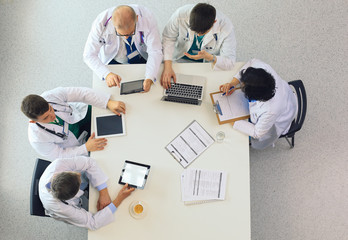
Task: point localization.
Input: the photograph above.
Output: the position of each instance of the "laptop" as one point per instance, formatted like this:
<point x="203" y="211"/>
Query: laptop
<point x="188" y="89"/>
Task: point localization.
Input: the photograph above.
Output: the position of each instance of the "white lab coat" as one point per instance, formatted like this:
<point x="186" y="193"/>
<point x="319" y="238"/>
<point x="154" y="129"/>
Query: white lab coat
<point x="51" y="146"/>
<point x="103" y="44"/>
<point x="177" y="38"/>
<point x="272" y="118"/>
<point x="73" y="213"/>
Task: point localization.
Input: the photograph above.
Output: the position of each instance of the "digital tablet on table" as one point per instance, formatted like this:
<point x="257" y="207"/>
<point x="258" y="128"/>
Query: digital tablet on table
<point x="109" y="125"/>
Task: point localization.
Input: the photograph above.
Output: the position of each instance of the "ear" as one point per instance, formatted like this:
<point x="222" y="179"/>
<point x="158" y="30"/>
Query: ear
<point x="215" y="21"/>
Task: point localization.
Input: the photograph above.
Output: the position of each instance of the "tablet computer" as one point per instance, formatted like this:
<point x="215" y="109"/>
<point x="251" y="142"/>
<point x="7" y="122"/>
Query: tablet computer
<point x="132" y="87"/>
<point x="135" y="174"/>
<point x="109" y="125"/>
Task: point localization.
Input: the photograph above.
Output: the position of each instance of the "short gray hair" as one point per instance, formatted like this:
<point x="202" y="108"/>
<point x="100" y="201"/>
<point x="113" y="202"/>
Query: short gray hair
<point x="65" y="185"/>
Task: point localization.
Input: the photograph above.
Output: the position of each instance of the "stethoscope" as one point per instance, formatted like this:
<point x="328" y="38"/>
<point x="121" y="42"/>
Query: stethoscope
<point x="101" y="39"/>
<point x="77" y="207"/>
<point x="70" y="110"/>
<point x="63" y="135"/>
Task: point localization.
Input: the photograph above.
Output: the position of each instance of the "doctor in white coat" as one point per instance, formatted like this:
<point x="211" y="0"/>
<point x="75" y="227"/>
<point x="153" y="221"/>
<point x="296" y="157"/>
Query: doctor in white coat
<point x="272" y="103"/>
<point x="198" y="33"/>
<point x="60" y="192"/>
<point x="124" y="34"/>
<point x="56" y="117"/>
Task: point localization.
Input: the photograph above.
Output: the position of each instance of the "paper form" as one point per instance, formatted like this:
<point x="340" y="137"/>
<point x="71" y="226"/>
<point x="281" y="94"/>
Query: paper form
<point x="189" y="144"/>
<point x="233" y="106"/>
<point x="198" y="184"/>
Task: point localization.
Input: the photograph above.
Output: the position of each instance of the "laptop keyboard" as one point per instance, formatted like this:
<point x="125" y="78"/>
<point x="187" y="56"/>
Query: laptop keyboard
<point x="184" y="90"/>
<point x="182" y="100"/>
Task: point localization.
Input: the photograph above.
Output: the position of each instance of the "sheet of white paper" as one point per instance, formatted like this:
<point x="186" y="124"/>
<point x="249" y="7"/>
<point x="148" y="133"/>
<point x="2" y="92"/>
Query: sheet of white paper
<point x="192" y="142"/>
<point x="198" y="184"/>
<point x="233" y="106"/>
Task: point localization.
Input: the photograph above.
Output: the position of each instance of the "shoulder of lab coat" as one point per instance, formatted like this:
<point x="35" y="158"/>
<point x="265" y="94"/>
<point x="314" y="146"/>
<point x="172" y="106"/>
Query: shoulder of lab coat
<point x="225" y="33"/>
<point x="92" y="46"/>
<point x="70" y="213"/>
<point x="179" y="19"/>
<point x="147" y="24"/>
<point x="255" y="63"/>
<point x="49" y="145"/>
<point x="77" y="94"/>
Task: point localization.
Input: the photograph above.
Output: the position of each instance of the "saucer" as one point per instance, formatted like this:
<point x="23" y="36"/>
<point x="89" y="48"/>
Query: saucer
<point x="138" y="215"/>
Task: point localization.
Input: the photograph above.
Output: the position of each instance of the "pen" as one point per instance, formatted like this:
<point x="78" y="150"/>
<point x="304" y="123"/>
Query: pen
<point x="228" y="91"/>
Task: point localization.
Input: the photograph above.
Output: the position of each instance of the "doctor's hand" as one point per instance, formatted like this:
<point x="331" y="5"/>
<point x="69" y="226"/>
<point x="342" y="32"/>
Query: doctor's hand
<point x="95" y="144"/>
<point x="117" y="107"/>
<point x="104" y="199"/>
<point x="113" y="80"/>
<point x="147" y="85"/>
<point x="201" y="55"/>
<point x="123" y="194"/>
<point x="226" y="88"/>
<point x="167" y="75"/>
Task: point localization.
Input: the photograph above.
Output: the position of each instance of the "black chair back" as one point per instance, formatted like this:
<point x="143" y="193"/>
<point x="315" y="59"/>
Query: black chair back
<point x="296" y="125"/>
<point x="36" y="207"/>
<point x="302" y="106"/>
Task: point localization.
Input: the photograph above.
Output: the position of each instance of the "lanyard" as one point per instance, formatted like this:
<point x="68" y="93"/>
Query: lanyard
<point x="129" y="44"/>
<point x="142" y="41"/>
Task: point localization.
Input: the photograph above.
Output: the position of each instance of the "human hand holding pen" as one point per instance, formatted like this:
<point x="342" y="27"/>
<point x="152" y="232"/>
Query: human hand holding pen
<point x="227" y="89"/>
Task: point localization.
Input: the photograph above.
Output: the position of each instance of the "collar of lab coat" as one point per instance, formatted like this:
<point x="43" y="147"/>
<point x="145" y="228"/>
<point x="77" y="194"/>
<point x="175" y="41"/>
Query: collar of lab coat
<point x="214" y="30"/>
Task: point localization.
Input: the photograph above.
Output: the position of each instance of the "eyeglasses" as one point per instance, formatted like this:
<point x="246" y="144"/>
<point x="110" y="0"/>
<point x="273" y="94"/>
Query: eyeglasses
<point x="127" y="35"/>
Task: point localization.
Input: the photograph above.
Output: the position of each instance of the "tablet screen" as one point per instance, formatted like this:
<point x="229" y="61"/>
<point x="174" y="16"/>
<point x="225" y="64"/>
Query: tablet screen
<point x="132" y="87"/>
<point x="135" y="174"/>
<point x="109" y="125"/>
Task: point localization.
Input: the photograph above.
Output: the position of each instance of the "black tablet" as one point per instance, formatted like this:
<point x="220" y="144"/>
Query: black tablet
<point x="135" y="174"/>
<point x="132" y="87"/>
<point x="109" y="125"/>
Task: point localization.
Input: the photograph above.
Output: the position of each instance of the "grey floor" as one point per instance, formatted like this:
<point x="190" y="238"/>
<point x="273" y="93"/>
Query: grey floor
<point x="295" y="194"/>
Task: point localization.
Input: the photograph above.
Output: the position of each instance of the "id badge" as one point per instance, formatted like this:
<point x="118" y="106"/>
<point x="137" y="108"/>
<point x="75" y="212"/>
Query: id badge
<point x="133" y="54"/>
<point x="66" y="129"/>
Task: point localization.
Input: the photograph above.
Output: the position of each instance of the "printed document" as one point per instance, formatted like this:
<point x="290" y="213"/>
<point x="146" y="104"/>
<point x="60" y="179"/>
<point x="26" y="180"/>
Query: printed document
<point x="189" y="144"/>
<point x="202" y="185"/>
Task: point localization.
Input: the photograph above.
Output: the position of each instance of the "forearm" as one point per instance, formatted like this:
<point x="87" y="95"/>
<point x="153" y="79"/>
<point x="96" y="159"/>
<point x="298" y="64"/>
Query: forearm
<point x="117" y="202"/>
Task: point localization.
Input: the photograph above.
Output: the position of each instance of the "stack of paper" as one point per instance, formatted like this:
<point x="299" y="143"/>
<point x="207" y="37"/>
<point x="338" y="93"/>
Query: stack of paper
<point x="199" y="186"/>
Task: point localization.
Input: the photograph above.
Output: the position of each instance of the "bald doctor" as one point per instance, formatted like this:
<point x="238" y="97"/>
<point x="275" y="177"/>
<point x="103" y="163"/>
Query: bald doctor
<point x="60" y="119"/>
<point x="127" y="34"/>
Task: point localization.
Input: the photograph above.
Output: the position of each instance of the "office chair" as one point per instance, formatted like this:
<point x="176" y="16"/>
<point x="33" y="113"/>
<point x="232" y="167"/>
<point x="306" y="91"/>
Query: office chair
<point x="296" y="125"/>
<point x="36" y="207"/>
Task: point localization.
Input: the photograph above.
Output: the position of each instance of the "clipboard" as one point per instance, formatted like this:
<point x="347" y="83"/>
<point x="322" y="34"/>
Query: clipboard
<point x="242" y="112"/>
<point x="190" y="144"/>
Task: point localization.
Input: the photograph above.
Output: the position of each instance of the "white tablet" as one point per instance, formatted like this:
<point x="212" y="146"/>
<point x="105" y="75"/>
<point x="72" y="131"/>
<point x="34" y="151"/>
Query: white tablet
<point x="135" y="174"/>
<point x="110" y="125"/>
